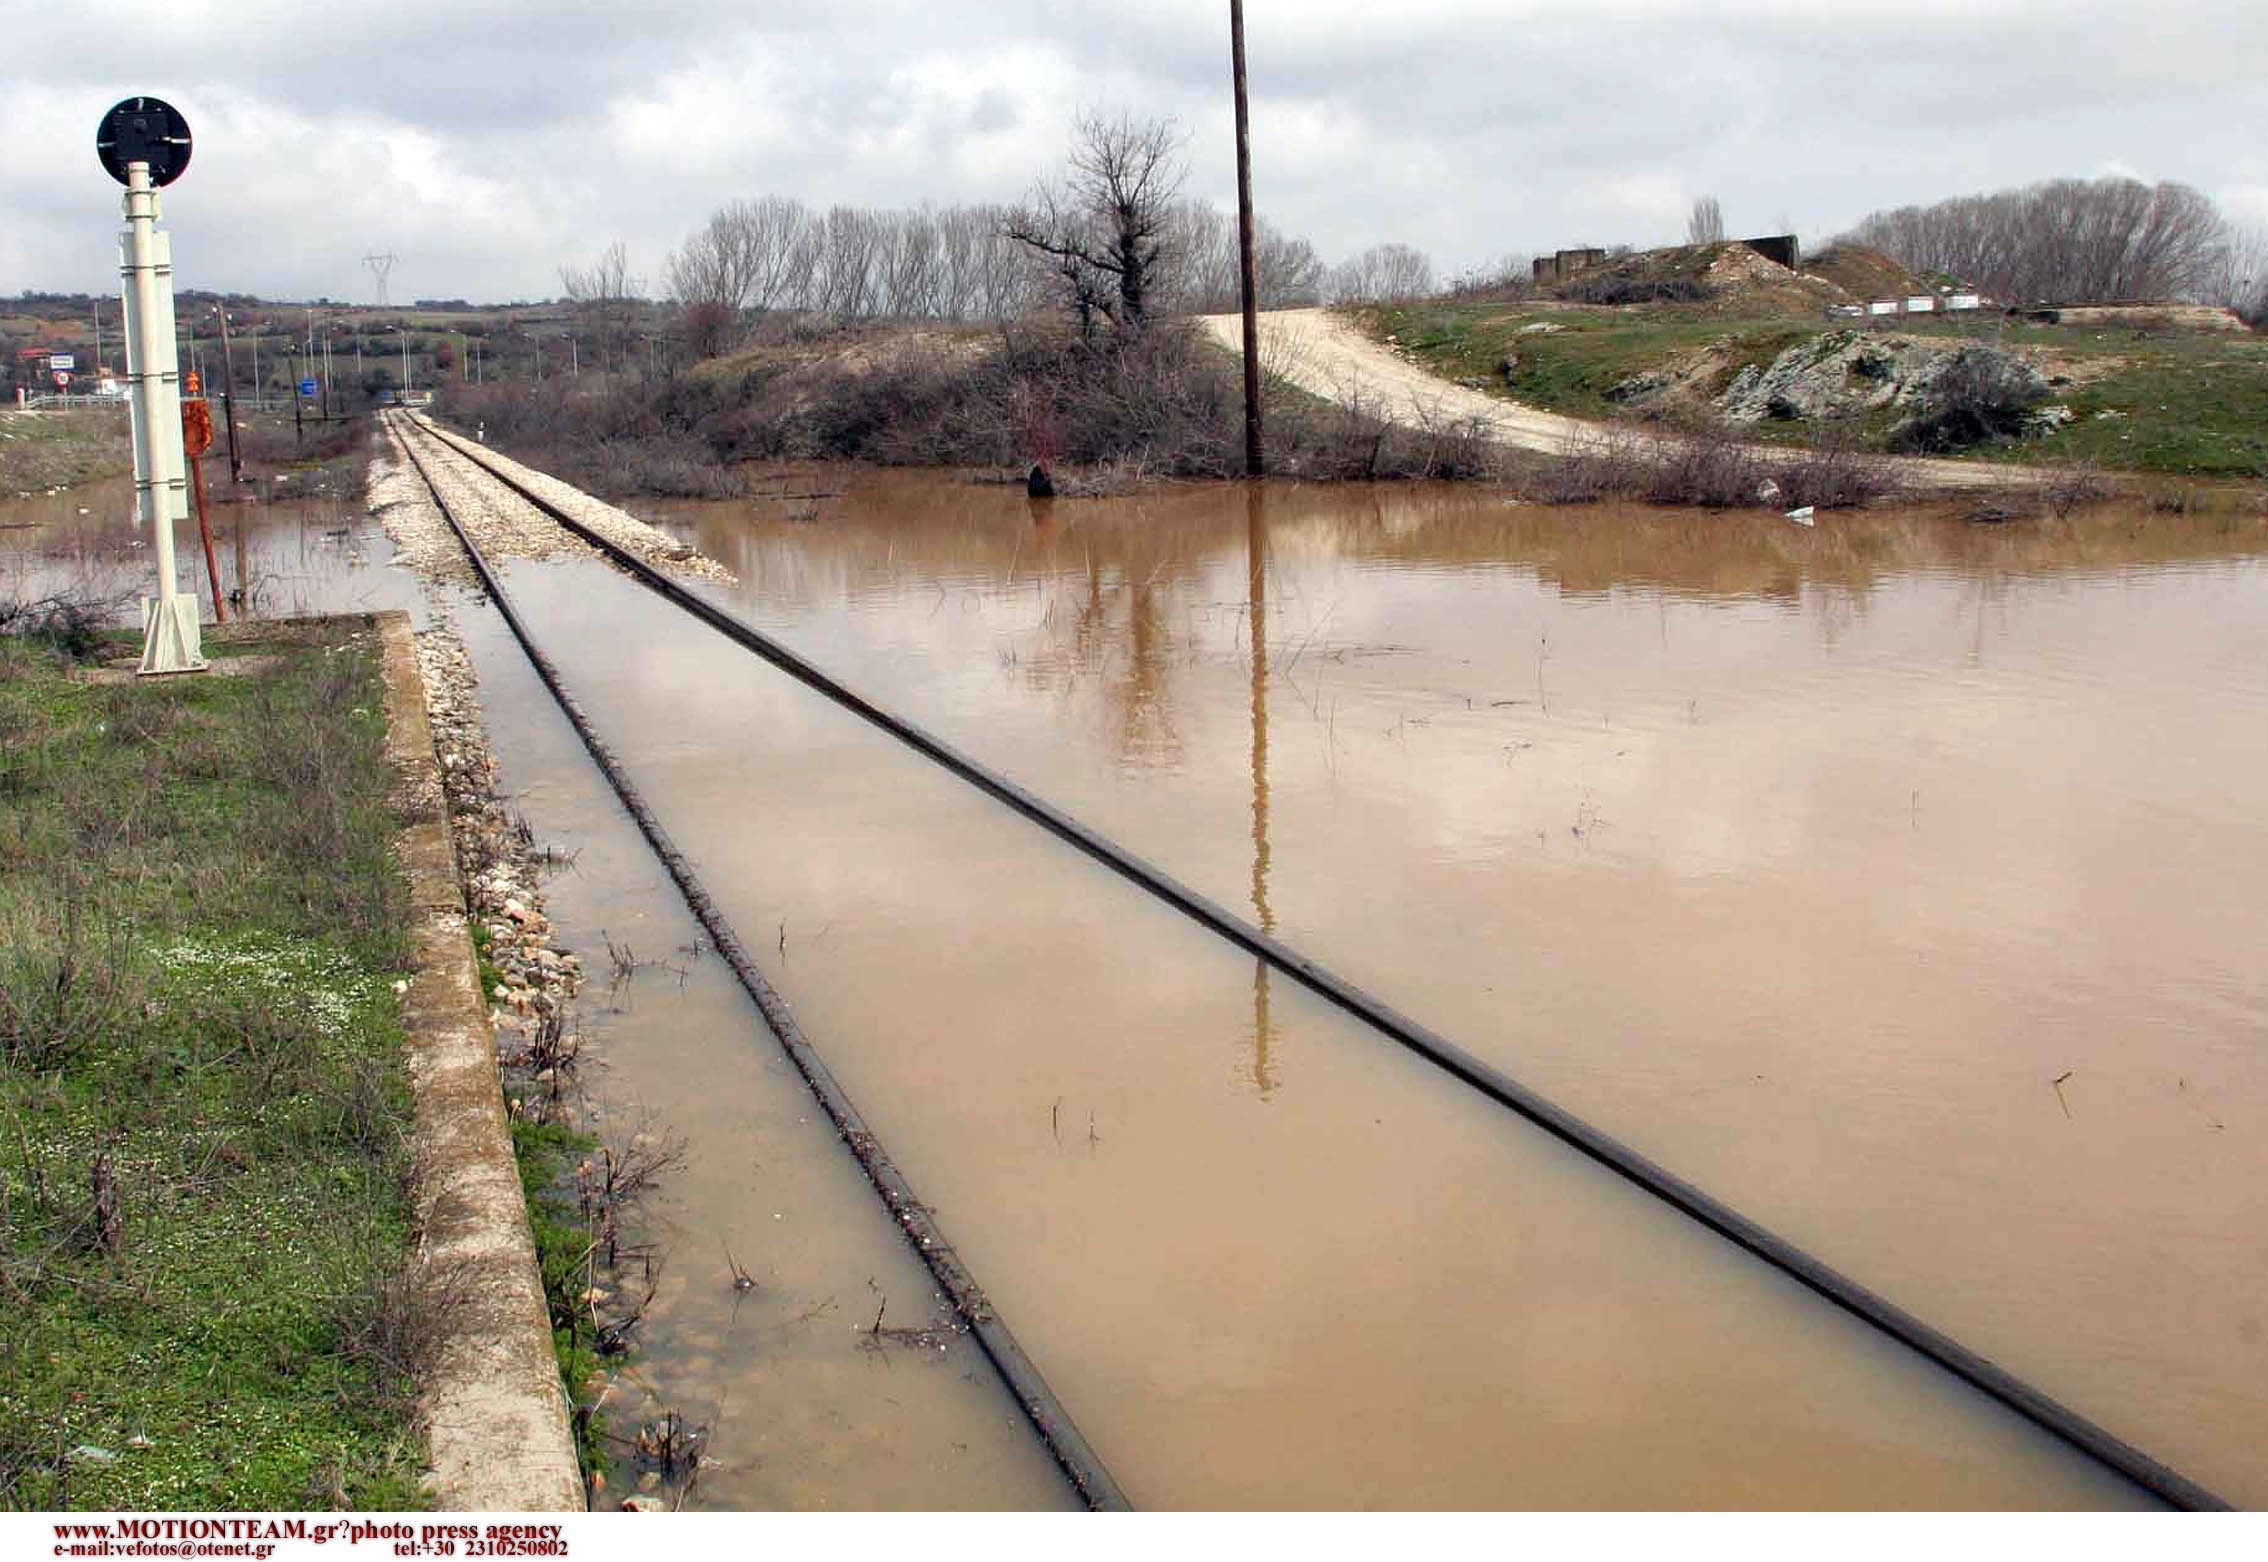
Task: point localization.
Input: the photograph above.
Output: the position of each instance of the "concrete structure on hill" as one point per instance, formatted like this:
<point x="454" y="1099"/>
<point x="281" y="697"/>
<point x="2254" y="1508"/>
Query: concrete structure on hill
<point x="1779" y="248"/>
<point x="1559" y="267"/>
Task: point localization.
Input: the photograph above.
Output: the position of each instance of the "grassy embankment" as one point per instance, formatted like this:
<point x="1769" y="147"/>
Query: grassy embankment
<point x="44" y="450"/>
<point x="40" y="451"/>
<point x="2190" y="403"/>
<point x="203" y="1220"/>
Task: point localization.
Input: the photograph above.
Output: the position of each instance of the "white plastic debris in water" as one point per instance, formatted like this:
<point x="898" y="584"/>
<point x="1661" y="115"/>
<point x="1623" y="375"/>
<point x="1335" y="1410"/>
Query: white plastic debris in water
<point x="1803" y="517"/>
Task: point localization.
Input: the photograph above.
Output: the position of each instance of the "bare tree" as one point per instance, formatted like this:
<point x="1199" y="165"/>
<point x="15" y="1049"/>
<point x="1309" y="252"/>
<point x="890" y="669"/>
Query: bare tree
<point x="773" y="253"/>
<point x="1707" y="224"/>
<point x="1381" y="272"/>
<point x="1507" y="276"/>
<point x="606" y="296"/>
<point x="1289" y="272"/>
<point x="2067" y="241"/>
<point x="1104" y="225"/>
<point x="1010" y="281"/>
<point x="2240" y="276"/>
<point x="712" y="276"/>
<point x="911" y="258"/>
<point x="1206" y="271"/>
<point x="771" y="229"/>
<point x="844" y="283"/>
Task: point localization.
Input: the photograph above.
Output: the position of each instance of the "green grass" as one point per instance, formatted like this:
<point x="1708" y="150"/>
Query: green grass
<point x="1571" y="367"/>
<point x="548" y="1154"/>
<point x="2187" y="403"/>
<point x="201" y="924"/>
<point x="43" y="450"/>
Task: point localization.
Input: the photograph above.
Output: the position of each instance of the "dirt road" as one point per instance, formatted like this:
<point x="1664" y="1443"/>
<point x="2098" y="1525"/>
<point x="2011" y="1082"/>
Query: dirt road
<point x="1325" y="356"/>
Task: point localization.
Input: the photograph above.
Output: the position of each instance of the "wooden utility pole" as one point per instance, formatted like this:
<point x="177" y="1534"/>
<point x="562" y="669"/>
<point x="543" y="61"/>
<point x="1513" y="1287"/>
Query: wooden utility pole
<point x="228" y="407"/>
<point x="1247" y="271"/>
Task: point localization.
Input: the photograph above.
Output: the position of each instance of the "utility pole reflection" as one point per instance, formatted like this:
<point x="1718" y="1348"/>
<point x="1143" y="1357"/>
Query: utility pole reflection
<point x="1256" y="613"/>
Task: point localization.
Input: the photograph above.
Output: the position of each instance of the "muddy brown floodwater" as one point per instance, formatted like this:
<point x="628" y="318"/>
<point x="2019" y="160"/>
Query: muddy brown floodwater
<point x="302" y="548"/>
<point x="1895" y="881"/>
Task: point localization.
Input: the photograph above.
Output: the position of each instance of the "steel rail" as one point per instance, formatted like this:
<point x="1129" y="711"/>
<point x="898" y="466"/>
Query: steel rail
<point x="1979" y="1371"/>
<point x="1077" y="1458"/>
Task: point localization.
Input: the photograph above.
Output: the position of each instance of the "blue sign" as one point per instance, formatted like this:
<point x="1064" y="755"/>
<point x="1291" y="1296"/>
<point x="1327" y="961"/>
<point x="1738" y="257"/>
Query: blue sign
<point x="307" y="387"/>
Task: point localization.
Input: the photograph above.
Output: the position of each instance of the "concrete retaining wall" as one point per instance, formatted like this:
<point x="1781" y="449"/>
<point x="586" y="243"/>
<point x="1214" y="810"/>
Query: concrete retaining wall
<point x="495" y="1412"/>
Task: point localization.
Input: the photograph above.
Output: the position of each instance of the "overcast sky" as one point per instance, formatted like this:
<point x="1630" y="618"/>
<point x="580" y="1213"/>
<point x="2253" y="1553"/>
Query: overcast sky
<point x="488" y="141"/>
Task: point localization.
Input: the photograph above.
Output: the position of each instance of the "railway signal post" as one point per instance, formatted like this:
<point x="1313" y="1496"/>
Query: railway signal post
<point x="143" y="143"/>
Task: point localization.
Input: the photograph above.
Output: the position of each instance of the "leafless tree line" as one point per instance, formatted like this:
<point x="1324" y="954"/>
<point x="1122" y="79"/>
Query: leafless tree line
<point x="777" y="253"/>
<point x="2240" y="280"/>
<point x="959" y="263"/>
<point x="1109" y="237"/>
<point x="2110" y="240"/>
<point x="1381" y="272"/>
<point x="1289" y="274"/>
<point x="606" y="296"/>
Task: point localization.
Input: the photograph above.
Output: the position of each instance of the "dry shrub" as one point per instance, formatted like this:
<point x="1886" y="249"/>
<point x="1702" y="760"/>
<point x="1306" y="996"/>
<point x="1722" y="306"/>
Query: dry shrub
<point x="2056" y="491"/>
<point x="69" y="623"/>
<point x="394" y="1324"/>
<point x="1837" y="472"/>
<point x="1115" y="412"/>
<point x="2068" y="488"/>
<point x="1712" y="468"/>
<point x="1979" y="397"/>
<point x="272" y="441"/>
<point x="1622" y="463"/>
<point x="1353" y="441"/>
<point x="1614" y="287"/>
<point x="65" y="986"/>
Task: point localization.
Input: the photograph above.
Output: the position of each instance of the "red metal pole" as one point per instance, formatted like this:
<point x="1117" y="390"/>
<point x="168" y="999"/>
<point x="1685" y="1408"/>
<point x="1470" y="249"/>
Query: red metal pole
<point x="212" y="568"/>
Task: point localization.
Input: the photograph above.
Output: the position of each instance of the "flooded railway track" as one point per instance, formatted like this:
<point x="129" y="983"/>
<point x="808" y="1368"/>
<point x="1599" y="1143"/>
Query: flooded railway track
<point x="1054" y="1425"/>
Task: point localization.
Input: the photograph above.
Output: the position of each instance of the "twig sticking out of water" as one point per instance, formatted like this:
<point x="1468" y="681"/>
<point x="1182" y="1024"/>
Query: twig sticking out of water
<point x="2057" y="1083"/>
<point x="809" y="1314"/>
<point x="742" y="1280"/>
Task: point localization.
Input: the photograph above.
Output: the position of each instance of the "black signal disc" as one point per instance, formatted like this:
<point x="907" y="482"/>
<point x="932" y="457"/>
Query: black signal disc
<point x="144" y="130"/>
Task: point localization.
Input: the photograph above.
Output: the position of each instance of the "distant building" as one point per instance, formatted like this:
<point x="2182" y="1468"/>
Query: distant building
<point x="1779" y="248"/>
<point x="1559" y="267"/>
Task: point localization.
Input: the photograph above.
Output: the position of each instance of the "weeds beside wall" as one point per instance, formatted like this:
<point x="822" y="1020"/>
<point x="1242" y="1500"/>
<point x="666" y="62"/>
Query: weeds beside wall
<point x="204" y="1232"/>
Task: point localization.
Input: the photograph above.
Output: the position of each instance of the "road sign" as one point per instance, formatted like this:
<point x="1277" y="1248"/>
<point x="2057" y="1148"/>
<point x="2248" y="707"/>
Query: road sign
<point x="62" y="360"/>
<point x="308" y="387"/>
<point x="144" y="130"/>
<point x="62" y="378"/>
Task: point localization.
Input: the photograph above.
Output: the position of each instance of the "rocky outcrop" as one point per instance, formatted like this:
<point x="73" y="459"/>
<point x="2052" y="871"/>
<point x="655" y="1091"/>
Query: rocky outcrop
<point x="1850" y="373"/>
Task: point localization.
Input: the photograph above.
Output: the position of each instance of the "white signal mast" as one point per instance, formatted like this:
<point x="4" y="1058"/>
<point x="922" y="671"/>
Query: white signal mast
<point x="144" y="144"/>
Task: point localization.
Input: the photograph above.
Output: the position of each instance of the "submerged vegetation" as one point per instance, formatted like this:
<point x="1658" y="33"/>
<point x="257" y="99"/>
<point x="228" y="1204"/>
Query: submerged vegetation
<point x="204" y="1233"/>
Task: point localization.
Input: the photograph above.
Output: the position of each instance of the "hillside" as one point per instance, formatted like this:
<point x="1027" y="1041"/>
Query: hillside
<point x="2145" y="391"/>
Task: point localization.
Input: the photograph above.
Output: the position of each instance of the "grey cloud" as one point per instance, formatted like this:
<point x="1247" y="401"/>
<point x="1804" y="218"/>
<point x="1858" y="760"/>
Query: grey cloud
<point x="1468" y="127"/>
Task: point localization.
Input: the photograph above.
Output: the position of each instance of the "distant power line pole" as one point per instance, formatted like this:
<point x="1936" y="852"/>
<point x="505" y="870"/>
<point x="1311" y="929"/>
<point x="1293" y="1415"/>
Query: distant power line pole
<point x="1247" y="271"/>
<point x="379" y="265"/>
